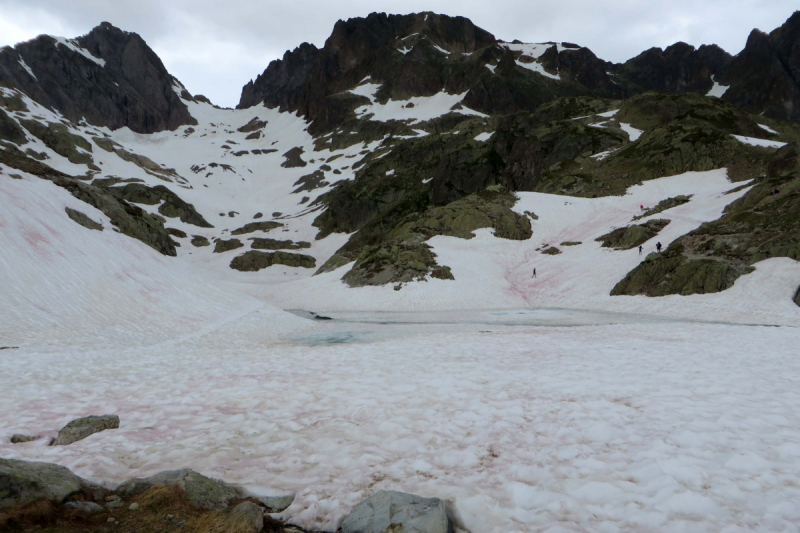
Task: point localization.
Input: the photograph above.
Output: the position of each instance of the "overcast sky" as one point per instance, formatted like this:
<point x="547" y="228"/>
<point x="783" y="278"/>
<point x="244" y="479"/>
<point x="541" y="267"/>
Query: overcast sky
<point x="216" y="47"/>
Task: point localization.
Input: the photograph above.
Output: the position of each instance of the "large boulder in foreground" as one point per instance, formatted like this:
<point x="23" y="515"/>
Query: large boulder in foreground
<point x="398" y="512"/>
<point x="27" y="481"/>
<point x="81" y="428"/>
<point x="202" y="491"/>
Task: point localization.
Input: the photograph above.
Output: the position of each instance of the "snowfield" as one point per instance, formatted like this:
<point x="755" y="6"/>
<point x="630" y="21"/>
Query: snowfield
<point x="531" y="404"/>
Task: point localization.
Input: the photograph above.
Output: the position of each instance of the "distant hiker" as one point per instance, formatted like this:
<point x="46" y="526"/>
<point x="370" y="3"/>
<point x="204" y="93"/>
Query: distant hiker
<point x="641" y="207"/>
<point x="640" y="249"/>
<point x="658" y="247"/>
<point x="534" y="273"/>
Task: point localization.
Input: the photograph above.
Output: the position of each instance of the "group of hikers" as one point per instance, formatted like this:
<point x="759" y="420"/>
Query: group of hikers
<point x="658" y="248"/>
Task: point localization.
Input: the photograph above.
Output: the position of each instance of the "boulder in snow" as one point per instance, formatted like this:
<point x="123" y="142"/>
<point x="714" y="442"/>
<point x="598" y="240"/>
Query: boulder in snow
<point x="390" y="511"/>
<point x="83" y="427"/>
<point x="203" y="492"/>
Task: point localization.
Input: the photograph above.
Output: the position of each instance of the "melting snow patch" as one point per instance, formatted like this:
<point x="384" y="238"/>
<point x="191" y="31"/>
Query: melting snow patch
<point x="485" y="136"/>
<point x="753" y="141"/>
<point x="768" y="129"/>
<point x="390" y="172"/>
<point x="602" y="155"/>
<point x="82" y="51"/>
<point x="491" y="67"/>
<point x="442" y="50"/>
<point x="427" y="180"/>
<point x="536" y="67"/>
<point x="422" y="107"/>
<point x="27" y="68"/>
<point x="608" y="114"/>
<point x="633" y="133"/>
<point x="717" y="90"/>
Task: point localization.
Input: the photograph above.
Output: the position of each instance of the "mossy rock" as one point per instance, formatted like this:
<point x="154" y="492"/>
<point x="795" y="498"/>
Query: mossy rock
<point x="571" y="243"/>
<point x="797" y="297"/>
<point x="254" y="260"/>
<point x="129" y="219"/>
<point x="177" y="233"/>
<point x="83" y="220"/>
<point x="552" y="250"/>
<point x="252" y="227"/>
<point x="172" y="207"/>
<point x="227" y="245"/>
<point x="672" y="272"/>
<point x="199" y="240"/>
<point x="663" y="205"/>
<point x="395" y="262"/>
<point x="274" y="244"/>
<point x="632" y="236"/>
<point x="57" y="137"/>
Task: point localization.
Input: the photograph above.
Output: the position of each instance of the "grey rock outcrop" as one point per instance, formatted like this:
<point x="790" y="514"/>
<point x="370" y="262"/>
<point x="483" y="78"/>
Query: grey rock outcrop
<point x="82" y="219"/>
<point x="276" y="504"/>
<point x="202" y="491"/>
<point x="87" y="507"/>
<point x="246" y="517"/>
<point x="81" y="428"/>
<point x="26" y="481"/>
<point x="399" y="512"/>
<point x="17" y="438"/>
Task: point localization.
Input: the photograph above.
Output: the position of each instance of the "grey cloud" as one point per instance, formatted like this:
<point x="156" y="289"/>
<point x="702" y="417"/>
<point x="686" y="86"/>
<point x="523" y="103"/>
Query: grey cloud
<point x="215" y="47"/>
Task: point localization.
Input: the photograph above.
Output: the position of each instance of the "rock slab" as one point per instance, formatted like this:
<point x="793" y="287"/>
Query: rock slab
<point x="83" y="427"/>
<point x="26" y="481"/>
<point x="202" y="491"/>
<point x="398" y="512"/>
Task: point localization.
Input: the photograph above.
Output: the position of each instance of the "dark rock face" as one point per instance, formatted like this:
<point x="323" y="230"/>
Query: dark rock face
<point x="765" y="76"/>
<point x="678" y="69"/>
<point x="132" y="89"/>
<point x="357" y="48"/>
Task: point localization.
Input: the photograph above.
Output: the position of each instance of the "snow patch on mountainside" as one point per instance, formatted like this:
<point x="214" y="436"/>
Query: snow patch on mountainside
<point x="753" y="141"/>
<point x="27" y="68"/>
<point x="717" y="90"/>
<point x="72" y="45"/>
<point x="416" y="109"/>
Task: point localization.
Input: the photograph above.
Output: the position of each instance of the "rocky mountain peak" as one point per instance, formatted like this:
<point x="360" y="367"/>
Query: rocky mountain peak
<point x="765" y="76"/>
<point x="108" y="77"/>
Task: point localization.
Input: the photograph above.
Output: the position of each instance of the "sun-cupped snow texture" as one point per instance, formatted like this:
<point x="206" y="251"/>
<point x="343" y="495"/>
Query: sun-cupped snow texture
<point x="663" y="424"/>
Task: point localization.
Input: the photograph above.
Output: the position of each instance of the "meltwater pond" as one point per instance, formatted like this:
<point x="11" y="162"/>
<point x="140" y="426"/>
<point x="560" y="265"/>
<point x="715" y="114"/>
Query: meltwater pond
<point x="349" y="327"/>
